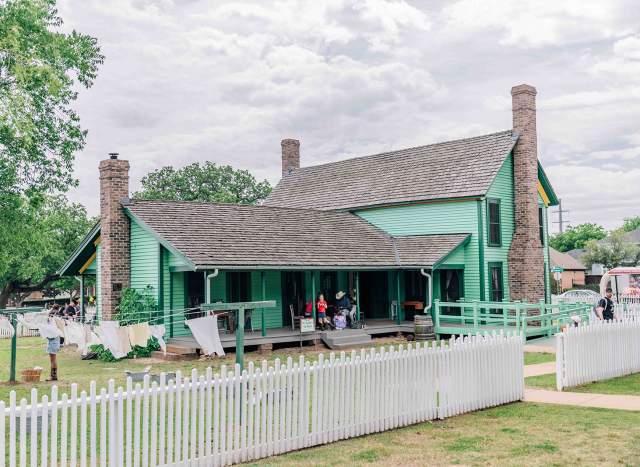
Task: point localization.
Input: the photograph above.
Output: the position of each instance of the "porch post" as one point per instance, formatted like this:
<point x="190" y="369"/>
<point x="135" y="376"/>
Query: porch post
<point x="82" y="297"/>
<point x="240" y="339"/>
<point x="398" y="320"/>
<point x="263" y="323"/>
<point x="358" y="295"/>
<point x="313" y="294"/>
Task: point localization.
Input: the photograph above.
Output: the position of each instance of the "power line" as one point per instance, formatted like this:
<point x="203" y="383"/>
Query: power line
<point x="561" y="220"/>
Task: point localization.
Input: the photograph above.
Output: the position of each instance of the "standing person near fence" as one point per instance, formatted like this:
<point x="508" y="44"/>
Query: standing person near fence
<point x="606" y="307"/>
<point x="51" y="332"/>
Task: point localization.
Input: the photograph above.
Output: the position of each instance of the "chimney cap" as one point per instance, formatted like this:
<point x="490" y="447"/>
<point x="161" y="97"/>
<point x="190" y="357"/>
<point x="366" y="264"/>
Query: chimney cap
<point x="523" y="89"/>
<point x="113" y="155"/>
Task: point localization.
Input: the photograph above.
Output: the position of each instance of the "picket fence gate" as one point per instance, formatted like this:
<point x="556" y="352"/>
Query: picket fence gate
<point x="241" y="416"/>
<point x="598" y="350"/>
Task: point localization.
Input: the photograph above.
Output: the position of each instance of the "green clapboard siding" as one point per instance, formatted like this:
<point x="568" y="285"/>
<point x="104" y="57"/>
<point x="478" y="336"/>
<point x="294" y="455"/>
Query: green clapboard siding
<point x="436" y="218"/>
<point x="177" y="303"/>
<point x="98" y="284"/>
<point x="144" y="259"/>
<point x="219" y="287"/>
<point x="273" y="291"/>
<point x="502" y="189"/>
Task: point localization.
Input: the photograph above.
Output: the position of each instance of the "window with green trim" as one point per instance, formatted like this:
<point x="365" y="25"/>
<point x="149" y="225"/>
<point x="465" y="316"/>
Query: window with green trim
<point x="541" y="223"/>
<point x="493" y="222"/>
<point x="496" y="284"/>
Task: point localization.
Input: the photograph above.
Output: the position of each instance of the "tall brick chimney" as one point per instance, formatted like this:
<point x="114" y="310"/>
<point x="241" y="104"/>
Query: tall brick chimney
<point x="290" y="156"/>
<point x="114" y="233"/>
<point x="526" y="260"/>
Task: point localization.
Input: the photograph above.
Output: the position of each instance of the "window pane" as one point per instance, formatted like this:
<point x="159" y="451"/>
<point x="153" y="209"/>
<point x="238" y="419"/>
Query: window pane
<point x="541" y="224"/>
<point x="494" y="222"/>
<point x="496" y="283"/>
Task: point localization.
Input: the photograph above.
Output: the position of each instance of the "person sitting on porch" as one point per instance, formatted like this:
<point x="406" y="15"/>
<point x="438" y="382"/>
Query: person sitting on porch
<point x="321" y="306"/>
<point x="346" y="307"/>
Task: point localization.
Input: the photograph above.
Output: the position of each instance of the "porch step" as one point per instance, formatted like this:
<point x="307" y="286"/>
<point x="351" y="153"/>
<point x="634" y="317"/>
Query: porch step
<point x="180" y="349"/>
<point x="337" y="340"/>
<point x="173" y="357"/>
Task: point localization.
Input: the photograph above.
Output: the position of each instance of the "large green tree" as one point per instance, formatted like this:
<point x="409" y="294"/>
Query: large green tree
<point x="577" y="237"/>
<point x="208" y="182"/>
<point x="35" y="243"/>
<point x="631" y="223"/>
<point x="41" y="70"/>
<point x="613" y="251"/>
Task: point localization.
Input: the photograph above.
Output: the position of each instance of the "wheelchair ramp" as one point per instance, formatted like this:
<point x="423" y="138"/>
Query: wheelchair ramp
<point x="337" y="340"/>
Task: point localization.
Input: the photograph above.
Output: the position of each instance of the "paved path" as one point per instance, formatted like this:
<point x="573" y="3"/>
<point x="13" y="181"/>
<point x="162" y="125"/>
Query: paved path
<point x="539" y="369"/>
<point x="604" y="401"/>
<point x="547" y="345"/>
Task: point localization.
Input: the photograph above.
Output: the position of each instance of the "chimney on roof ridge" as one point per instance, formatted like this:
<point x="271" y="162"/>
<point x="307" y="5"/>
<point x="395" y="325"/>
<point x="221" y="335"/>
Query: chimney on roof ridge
<point x="290" y="156"/>
<point x="114" y="233"/>
<point x="526" y="260"/>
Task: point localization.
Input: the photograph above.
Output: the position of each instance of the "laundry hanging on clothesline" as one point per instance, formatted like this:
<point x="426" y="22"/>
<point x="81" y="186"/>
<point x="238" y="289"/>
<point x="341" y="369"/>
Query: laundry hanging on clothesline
<point x="114" y="338"/>
<point x="205" y="332"/>
<point x="158" y="331"/>
<point x="139" y="334"/>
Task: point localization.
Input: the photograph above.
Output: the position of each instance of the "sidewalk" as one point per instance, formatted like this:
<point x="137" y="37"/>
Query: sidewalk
<point x="539" y="369"/>
<point x="603" y="401"/>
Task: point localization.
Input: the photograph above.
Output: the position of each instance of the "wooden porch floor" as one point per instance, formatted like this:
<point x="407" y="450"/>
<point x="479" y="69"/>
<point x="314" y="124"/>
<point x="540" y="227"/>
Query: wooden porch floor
<point x="372" y="327"/>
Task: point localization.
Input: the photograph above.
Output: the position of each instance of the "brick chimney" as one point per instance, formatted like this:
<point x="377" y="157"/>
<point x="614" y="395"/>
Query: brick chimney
<point x="114" y="233"/>
<point x="290" y="156"/>
<point x="526" y="260"/>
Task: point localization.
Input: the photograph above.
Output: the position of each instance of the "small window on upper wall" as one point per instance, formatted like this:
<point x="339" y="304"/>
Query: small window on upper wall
<point x="541" y="224"/>
<point x="493" y="213"/>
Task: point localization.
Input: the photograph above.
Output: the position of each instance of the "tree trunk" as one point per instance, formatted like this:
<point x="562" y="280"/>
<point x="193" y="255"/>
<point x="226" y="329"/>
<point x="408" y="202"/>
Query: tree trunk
<point x="5" y="294"/>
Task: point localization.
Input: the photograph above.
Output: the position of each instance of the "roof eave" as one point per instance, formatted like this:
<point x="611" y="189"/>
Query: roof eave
<point x="85" y="242"/>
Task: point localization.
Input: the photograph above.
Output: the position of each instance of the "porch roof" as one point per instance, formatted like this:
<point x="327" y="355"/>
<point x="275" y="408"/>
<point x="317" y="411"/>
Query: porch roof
<point x="229" y="236"/>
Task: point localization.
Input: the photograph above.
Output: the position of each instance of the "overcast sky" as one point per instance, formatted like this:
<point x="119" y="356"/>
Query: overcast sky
<point x="225" y="81"/>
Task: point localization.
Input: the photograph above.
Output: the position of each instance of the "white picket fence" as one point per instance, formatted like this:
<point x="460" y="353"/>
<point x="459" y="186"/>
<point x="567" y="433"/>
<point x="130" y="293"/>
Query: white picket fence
<point x="596" y="351"/>
<point x="22" y="331"/>
<point x="236" y="417"/>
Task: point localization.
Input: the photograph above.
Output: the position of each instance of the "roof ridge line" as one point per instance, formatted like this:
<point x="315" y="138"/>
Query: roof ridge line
<point x="459" y="140"/>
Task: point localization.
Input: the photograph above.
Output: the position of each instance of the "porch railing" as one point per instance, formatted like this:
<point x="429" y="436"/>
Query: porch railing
<point x="540" y="319"/>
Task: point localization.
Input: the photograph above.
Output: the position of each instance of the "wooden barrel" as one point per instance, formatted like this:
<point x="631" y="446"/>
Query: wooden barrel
<point x="423" y="327"/>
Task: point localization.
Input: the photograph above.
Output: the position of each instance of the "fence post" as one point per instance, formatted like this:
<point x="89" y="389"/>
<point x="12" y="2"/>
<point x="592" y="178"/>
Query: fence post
<point x="559" y="360"/>
<point x="14" y="349"/>
<point x="475" y="314"/>
<point x="436" y="317"/>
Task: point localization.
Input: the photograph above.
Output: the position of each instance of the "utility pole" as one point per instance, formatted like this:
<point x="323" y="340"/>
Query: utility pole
<point x="561" y="221"/>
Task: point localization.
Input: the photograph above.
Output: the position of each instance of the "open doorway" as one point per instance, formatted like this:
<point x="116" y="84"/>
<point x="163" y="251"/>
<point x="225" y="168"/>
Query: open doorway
<point x="293" y="293"/>
<point x="451" y="288"/>
<point x="374" y="295"/>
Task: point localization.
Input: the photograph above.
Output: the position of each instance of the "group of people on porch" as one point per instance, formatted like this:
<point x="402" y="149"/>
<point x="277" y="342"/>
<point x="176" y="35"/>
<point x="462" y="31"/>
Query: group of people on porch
<point x="343" y="311"/>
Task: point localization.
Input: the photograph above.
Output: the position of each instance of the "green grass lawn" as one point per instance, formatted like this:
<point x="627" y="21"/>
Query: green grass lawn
<point x="532" y="358"/>
<point x="521" y="434"/>
<point x="629" y="385"/>
<point x="71" y="369"/>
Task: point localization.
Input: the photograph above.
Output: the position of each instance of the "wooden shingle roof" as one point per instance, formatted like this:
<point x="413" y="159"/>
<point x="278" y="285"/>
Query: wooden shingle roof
<point x="452" y="169"/>
<point x="239" y="236"/>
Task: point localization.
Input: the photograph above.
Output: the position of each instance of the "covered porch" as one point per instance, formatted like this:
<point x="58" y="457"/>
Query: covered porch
<point x="385" y="300"/>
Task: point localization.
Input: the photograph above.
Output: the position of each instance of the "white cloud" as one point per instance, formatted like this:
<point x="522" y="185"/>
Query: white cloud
<point x="536" y="23"/>
<point x="224" y="81"/>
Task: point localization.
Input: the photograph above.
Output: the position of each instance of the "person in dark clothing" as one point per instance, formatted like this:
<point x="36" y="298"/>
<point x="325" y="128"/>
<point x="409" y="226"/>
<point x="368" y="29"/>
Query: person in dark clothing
<point x="606" y="306"/>
<point x="71" y="309"/>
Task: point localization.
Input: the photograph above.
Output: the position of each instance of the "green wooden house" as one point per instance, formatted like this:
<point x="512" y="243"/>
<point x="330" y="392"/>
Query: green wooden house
<point x="396" y="230"/>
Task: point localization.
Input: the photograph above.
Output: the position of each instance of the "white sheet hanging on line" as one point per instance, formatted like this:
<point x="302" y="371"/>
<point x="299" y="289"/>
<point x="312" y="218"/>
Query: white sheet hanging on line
<point x="49" y="330"/>
<point x="205" y="332"/>
<point x="139" y="334"/>
<point x="158" y="331"/>
<point x="114" y="338"/>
